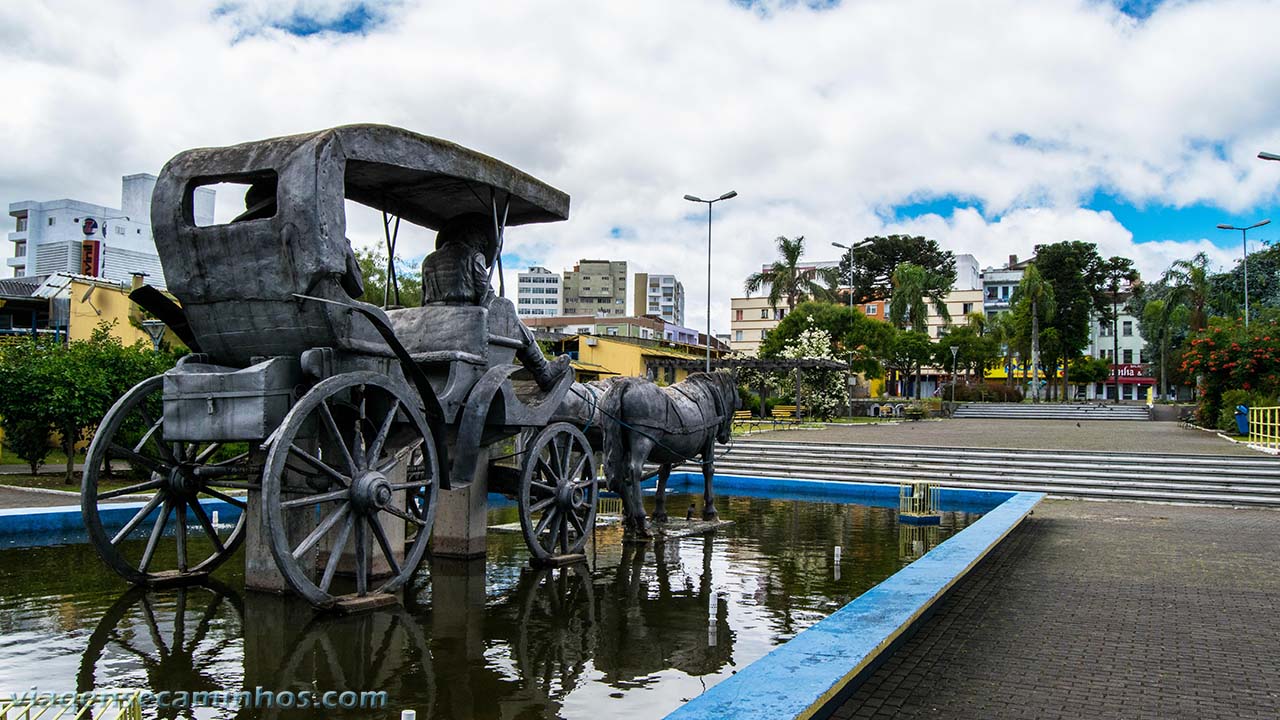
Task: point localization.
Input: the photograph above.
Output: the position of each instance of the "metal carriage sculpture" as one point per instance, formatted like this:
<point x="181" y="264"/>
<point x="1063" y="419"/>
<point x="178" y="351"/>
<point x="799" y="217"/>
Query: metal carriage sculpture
<point x="330" y="422"/>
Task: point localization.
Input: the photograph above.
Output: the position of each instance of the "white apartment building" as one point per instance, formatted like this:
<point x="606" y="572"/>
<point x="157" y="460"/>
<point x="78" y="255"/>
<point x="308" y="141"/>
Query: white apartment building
<point x="659" y="295"/>
<point x="539" y="293"/>
<point x="999" y="283"/>
<point x="1124" y="347"/>
<point x="84" y="238"/>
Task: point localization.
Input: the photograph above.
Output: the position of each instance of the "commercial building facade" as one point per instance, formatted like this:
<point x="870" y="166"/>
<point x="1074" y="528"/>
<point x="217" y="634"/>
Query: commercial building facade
<point x="597" y="288"/>
<point x="659" y="295"/>
<point x="72" y="236"/>
<point x="538" y="293"/>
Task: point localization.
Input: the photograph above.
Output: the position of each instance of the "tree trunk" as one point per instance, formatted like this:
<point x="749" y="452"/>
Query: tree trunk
<point x="1035" y="353"/>
<point x="1066" y="379"/>
<point x="69" y="447"/>
<point x="1115" y="346"/>
<point x="1164" y="351"/>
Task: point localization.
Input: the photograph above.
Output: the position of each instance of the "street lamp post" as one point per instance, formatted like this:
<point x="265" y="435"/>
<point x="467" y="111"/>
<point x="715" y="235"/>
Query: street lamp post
<point x="955" y="350"/>
<point x="1244" y="237"/>
<point x="695" y="198"/>
<point x="849" y="251"/>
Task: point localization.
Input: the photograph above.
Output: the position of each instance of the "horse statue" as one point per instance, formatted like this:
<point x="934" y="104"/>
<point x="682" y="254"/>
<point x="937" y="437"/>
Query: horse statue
<point x="581" y="408"/>
<point x="668" y="426"/>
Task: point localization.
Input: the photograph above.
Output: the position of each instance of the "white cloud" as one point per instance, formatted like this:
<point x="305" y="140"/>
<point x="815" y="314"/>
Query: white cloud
<point x="817" y="119"/>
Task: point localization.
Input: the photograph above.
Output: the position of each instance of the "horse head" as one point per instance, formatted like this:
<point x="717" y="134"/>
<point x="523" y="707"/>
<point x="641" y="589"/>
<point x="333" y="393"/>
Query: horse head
<point x="724" y="388"/>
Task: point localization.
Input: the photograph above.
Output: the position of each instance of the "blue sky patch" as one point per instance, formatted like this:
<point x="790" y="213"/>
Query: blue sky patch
<point x="358" y="19"/>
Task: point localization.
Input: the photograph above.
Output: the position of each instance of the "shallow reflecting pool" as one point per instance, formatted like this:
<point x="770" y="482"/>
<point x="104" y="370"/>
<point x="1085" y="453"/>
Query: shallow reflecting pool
<point x="632" y="634"/>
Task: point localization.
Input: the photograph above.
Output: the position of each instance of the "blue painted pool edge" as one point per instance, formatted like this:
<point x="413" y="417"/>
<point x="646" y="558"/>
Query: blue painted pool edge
<point x="805" y="676"/>
<point x="67" y="519"/>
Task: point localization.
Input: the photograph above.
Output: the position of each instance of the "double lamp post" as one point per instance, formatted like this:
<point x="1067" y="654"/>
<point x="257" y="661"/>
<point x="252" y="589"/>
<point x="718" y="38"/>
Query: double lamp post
<point x="694" y="198"/>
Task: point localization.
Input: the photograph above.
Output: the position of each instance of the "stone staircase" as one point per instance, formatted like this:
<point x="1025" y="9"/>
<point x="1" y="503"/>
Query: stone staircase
<point x="1216" y="479"/>
<point x="1052" y="411"/>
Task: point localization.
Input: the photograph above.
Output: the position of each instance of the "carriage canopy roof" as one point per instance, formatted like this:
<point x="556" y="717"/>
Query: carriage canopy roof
<point x="422" y="179"/>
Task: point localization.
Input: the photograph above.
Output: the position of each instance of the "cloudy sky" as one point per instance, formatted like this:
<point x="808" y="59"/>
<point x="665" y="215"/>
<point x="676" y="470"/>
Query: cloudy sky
<point x="990" y="125"/>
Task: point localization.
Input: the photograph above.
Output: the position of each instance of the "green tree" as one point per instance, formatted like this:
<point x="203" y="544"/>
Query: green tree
<point x="373" y="269"/>
<point x="910" y="351"/>
<point x="1163" y="324"/>
<point x="786" y="278"/>
<point x="1003" y="333"/>
<point x="69" y="388"/>
<point x="861" y="341"/>
<point x="870" y="267"/>
<point x="975" y="354"/>
<point x="822" y="392"/>
<point x="1190" y="284"/>
<point x="1034" y="303"/>
<point x="915" y="289"/>
<point x="1114" y="277"/>
<point x="1068" y="267"/>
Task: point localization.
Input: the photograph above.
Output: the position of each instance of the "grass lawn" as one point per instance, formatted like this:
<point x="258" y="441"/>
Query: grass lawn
<point x="56" y="457"/>
<point x="53" y="481"/>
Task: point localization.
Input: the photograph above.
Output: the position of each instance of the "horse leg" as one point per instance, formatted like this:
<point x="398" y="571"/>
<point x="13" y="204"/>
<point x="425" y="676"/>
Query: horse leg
<point x="708" y="474"/>
<point x="660" y="505"/>
<point x="632" y="499"/>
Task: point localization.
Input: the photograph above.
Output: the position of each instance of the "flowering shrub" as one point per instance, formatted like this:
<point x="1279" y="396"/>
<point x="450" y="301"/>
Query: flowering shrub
<point x="1227" y="356"/>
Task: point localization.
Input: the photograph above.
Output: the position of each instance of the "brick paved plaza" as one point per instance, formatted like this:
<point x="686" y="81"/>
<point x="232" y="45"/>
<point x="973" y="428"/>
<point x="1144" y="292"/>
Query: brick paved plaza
<point x="1101" y="610"/>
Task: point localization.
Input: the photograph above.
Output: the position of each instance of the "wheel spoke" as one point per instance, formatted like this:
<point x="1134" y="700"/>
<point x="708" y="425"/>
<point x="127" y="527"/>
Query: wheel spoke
<point x="316" y="499"/>
<point x="156" y="531"/>
<point x="335" y="554"/>
<point x="566" y="454"/>
<point x="424" y="484"/>
<point x="208" y="452"/>
<point x="321" y="530"/>
<point x="545" y="521"/>
<point x="152" y="464"/>
<point x="224" y="497"/>
<point x="202" y="517"/>
<point x="362" y="558"/>
<point x="552" y="463"/>
<point x="206" y="620"/>
<point x="230" y="461"/>
<point x="555" y="531"/>
<point x="542" y="488"/>
<point x="577" y="523"/>
<point x="541" y="504"/>
<point x="180" y="620"/>
<point x="139" y="517"/>
<point x="148" y="485"/>
<point x="564" y="532"/>
<point x="404" y="515"/>
<point x="221" y="471"/>
<point x="375" y="448"/>
<point x="320" y="465"/>
<point x="332" y="427"/>
<point x="180" y="534"/>
<point x="153" y="628"/>
<point x="154" y="433"/>
<point x="380" y="534"/>
<point x="577" y="470"/>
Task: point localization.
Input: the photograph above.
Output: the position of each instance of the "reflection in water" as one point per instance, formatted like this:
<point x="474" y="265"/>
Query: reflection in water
<point x="633" y="634"/>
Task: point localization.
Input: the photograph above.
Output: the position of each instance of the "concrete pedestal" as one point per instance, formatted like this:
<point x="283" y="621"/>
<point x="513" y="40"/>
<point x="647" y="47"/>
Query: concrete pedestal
<point x="461" y="519"/>
<point x="260" y="571"/>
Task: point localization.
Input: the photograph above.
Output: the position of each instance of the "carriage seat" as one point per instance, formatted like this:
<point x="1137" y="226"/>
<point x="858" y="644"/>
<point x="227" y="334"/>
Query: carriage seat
<point x="443" y="333"/>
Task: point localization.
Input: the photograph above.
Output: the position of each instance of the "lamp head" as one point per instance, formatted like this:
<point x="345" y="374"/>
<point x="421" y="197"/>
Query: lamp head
<point x="693" y="198"/>
<point x="1227" y="227"/>
<point x="728" y="195"/>
<point x="1268" y="156"/>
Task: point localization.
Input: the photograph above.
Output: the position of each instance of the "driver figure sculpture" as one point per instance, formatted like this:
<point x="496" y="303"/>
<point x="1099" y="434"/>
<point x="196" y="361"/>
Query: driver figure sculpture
<point x="457" y="273"/>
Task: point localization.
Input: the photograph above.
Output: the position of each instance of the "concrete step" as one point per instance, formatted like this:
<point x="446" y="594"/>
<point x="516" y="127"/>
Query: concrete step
<point x="1231" y="480"/>
<point x="1052" y="411"/>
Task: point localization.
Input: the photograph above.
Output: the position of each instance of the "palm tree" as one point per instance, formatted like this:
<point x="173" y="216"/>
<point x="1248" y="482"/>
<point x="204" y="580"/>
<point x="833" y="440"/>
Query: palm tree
<point x="1000" y="329"/>
<point x="1037" y="291"/>
<point x="915" y="289"/>
<point x="785" y="278"/>
<point x="1188" y="282"/>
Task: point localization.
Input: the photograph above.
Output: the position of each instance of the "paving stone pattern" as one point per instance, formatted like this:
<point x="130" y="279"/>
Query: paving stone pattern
<point x="1101" y="610"/>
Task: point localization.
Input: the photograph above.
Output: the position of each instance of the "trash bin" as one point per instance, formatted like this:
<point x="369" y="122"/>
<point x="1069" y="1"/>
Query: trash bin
<point x="1242" y="419"/>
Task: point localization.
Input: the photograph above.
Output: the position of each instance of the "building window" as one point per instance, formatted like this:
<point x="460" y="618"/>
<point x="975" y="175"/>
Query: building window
<point x="51" y="220"/>
<point x="22" y="224"/>
<point x="19" y="271"/>
<point x="966" y="308"/>
<point x="1128" y="356"/>
<point x="737" y="314"/>
<point x="737" y="336"/>
<point x="1004" y="292"/>
<point x="764" y="313"/>
<point x="1104" y="329"/>
<point x="764" y="334"/>
<point x="873" y="309"/>
<point x="1126" y="328"/>
<point x="20" y="249"/>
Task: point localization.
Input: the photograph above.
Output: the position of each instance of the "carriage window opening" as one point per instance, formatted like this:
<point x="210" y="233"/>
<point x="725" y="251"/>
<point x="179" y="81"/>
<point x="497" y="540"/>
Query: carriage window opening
<point x="228" y="200"/>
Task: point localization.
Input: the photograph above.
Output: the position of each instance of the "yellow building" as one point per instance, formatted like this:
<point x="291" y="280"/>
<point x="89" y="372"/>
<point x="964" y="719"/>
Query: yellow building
<point x="89" y="302"/>
<point x="597" y="357"/>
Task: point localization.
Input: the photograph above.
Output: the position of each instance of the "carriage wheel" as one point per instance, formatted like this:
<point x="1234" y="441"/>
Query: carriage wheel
<point x="558" y="492"/>
<point x="334" y="480"/>
<point x="178" y="476"/>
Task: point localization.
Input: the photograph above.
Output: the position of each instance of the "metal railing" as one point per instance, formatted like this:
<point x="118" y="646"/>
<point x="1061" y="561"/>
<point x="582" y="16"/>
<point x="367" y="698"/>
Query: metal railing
<point x="130" y="709"/>
<point x="1264" y="428"/>
<point x="918" y="499"/>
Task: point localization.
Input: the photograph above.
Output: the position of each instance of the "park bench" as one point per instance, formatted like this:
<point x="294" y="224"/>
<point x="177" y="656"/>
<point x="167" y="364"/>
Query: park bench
<point x="744" y="417"/>
<point x="784" y="415"/>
